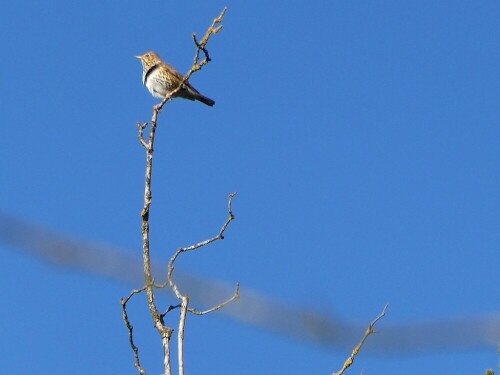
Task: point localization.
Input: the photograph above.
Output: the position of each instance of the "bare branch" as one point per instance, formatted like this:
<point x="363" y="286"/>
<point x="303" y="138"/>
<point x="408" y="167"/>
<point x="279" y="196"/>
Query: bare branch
<point x="218" y="236"/>
<point x="349" y="361"/>
<point x="130" y="328"/>
<point x="219" y="306"/>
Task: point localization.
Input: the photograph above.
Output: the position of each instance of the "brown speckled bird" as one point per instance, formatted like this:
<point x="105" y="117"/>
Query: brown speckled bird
<point x="160" y="79"/>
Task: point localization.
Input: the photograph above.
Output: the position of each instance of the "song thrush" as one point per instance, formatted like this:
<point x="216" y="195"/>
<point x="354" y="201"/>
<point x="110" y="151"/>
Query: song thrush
<point x="160" y="79"/>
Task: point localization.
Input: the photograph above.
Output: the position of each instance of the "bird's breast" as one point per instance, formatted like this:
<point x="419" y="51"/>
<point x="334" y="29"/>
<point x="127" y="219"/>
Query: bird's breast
<point x="156" y="85"/>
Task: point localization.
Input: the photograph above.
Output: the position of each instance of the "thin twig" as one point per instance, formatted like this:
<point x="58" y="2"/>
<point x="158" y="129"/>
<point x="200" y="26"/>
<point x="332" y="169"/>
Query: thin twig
<point x="349" y="361"/>
<point x="218" y="236"/>
<point x="170" y="308"/>
<point x="130" y="328"/>
<point x="235" y="296"/>
<point x="140" y="128"/>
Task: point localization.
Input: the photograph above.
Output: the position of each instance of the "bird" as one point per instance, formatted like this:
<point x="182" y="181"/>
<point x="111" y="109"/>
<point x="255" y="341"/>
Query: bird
<point x="161" y="78"/>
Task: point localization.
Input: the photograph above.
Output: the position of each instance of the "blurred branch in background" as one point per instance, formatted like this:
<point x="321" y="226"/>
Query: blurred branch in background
<point x="253" y="308"/>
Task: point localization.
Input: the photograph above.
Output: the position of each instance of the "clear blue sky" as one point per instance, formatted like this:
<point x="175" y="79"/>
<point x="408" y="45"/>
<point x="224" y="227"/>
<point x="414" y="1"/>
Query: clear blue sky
<point x="362" y="138"/>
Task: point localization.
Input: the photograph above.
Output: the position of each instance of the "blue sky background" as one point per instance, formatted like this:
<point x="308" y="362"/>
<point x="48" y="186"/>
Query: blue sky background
<point x="362" y="139"/>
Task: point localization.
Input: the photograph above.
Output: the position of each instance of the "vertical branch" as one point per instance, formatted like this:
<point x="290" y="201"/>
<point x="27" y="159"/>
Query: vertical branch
<point x="180" y="333"/>
<point x="164" y="331"/>
<point x="165" y="341"/>
<point x="149" y="146"/>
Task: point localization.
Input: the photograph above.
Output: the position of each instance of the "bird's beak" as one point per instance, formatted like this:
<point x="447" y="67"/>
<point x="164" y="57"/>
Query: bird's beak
<point x="138" y="57"/>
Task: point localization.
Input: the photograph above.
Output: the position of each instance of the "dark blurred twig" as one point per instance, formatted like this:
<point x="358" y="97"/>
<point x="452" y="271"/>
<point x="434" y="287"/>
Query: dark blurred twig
<point x="253" y="308"/>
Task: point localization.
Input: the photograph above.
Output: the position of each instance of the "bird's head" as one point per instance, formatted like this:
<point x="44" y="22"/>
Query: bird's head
<point x="149" y="59"/>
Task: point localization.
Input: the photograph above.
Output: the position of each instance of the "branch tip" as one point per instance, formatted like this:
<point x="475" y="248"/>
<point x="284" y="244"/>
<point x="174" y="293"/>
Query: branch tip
<point x="349" y="361"/>
<point x="216" y="30"/>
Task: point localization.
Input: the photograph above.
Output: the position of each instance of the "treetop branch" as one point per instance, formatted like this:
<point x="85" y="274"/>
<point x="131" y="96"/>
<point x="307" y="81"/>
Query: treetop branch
<point x="213" y="29"/>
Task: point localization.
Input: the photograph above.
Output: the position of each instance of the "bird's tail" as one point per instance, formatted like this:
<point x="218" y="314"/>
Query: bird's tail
<point x="204" y="100"/>
<point x="193" y="94"/>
